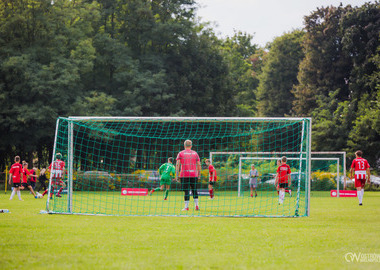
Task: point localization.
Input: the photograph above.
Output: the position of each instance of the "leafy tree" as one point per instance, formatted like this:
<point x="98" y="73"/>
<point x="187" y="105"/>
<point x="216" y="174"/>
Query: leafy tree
<point x="279" y="75"/>
<point x="151" y="57"/>
<point x="336" y="123"/>
<point x="325" y="68"/>
<point x="97" y="103"/>
<point x="365" y="131"/>
<point x="198" y="77"/>
<point x="239" y="51"/>
<point x="44" y="52"/>
<point x="336" y="76"/>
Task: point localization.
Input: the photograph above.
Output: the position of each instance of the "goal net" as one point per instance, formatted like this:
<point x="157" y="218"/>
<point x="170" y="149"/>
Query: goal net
<point x="112" y="165"/>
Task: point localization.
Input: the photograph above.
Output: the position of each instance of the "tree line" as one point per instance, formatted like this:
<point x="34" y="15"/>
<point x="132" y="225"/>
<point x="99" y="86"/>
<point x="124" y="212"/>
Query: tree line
<point x="155" y="58"/>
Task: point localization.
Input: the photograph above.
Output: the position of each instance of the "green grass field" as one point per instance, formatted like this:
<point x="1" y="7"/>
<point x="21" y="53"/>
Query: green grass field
<point x="225" y="203"/>
<point x="30" y="240"/>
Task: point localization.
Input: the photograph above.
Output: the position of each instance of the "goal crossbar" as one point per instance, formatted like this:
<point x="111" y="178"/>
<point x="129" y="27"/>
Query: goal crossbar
<point x="105" y="118"/>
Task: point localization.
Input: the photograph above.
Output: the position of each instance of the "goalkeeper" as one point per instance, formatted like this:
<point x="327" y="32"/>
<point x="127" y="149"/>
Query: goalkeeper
<point x="167" y="173"/>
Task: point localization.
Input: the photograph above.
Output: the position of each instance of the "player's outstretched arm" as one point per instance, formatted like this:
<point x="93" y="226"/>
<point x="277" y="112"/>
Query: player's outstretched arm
<point x="369" y="176"/>
<point x="177" y="167"/>
<point x="276" y="181"/>
<point x="161" y="169"/>
<point x="199" y="169"/>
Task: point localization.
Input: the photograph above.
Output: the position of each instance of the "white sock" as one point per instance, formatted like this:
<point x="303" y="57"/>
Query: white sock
<point x="196" y="202"/>
<point x="13" y="194"/>
<point x="19" y="194"/>
<point x="186" y="204"/>
<point x="283" y="196"/>
<point x="362" y="194"/>
<point x="290" y="192"/>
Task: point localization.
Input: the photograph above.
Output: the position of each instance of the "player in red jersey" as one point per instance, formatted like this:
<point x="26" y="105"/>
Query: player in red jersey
<point x="57" y="170"/>
<point x="283" y="179"/>
<point x="15" y="175"/>
<point x="25" y="174"/>
<point x="33" y="177"/>
<point x="212" y="177"/>
<point x="288" y="189"/>
<point x="188" y="168"/>
<point x="362" y="174"/>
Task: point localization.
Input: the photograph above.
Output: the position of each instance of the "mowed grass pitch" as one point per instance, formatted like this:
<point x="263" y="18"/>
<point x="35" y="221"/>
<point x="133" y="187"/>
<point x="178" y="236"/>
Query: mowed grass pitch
<point x="30" y="240"/>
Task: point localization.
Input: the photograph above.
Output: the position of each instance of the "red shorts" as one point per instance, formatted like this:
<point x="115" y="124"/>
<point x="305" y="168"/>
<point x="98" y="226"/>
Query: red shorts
<point x="57" y="182"/>
<point x="360" y="183"/>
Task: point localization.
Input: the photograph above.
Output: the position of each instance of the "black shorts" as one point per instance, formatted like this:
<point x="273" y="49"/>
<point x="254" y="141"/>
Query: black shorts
<point x="212" y="183"/>
<point x="25" y="185"/>
<point x="283" y="185"/>
<point x="189" y="183"/>
<point x="16" y="185"/>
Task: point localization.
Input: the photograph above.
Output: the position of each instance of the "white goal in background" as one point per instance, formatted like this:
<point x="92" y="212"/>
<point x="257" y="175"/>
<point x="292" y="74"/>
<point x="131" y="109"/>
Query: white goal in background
<point x="338" y="156"/>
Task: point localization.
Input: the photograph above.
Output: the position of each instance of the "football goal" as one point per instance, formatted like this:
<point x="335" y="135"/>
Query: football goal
<point x="113" y="165"/>
<point x="297" y="178"/>
<point x="328" y="169"/>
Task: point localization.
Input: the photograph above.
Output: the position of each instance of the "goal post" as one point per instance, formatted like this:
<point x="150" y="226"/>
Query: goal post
<point x="112" y="164"/>
<point x="53" y="156"/>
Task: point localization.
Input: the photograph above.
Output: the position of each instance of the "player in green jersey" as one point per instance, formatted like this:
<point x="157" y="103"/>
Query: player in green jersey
<point x="167" y="173"/>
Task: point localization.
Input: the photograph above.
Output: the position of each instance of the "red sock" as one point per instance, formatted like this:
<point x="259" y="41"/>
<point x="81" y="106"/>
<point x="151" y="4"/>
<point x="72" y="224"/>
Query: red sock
<point x="59" y="191"/>
<point x="212" y="193"/>
<point x="46" y="191"/>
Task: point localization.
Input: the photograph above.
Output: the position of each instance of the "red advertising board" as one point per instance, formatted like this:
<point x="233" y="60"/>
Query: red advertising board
<point x="343" y="193"/>
<point x="134" y="191"/>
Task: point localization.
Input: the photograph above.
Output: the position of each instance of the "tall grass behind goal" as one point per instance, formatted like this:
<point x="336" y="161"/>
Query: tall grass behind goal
<point x="112" y="163"/>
